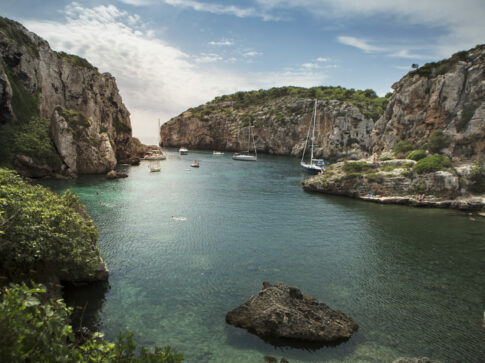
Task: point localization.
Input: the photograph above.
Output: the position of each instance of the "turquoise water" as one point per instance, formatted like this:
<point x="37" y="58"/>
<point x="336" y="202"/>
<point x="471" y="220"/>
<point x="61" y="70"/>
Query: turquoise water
<point x="412" y="278"/>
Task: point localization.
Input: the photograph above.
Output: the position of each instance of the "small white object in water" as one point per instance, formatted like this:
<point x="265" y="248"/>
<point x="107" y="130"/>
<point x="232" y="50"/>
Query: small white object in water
<point x="178" y="218"/>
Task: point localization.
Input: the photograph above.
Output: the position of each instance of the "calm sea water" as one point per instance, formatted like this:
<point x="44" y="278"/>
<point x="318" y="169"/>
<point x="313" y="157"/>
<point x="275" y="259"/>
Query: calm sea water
<point x="186" y="245"/>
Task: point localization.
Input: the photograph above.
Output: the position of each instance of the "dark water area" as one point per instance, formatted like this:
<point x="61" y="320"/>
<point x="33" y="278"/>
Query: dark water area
<point x="185" y="246"/>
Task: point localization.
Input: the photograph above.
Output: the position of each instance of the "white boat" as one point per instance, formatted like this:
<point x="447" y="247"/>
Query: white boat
<point x="315" y="166"/>
<point x="155" y="166"/>
<point x="217" y="153"/>
<point x="246" y="155"/>
<point x="195" y="164"/>
<point x="183" y="151"/>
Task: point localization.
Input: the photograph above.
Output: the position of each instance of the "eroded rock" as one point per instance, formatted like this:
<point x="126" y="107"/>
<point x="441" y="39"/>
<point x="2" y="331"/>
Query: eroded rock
<point x="282" y="311"/>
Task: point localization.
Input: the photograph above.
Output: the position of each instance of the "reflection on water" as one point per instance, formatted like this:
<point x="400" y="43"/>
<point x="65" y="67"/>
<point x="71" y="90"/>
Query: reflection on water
<point x="412" y="278"/>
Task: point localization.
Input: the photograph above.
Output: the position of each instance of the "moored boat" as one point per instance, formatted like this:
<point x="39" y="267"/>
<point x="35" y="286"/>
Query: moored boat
<point x="195" y="164"/>
<point x="246" y="155"/>
<point x="183" y="151"/>
<point x="315" y="166"/>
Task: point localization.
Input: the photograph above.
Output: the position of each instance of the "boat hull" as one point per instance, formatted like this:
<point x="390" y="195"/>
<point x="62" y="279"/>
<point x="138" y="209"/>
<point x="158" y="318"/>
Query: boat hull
<point x="312" y="169"/>
<point x="245" y="157"/>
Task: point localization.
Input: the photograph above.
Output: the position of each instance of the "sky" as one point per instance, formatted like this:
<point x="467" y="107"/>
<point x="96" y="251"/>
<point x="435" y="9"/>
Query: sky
<point x="170" y="55"/>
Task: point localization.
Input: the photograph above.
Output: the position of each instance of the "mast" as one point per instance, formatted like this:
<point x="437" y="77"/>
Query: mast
<point x="159" y="136"/>
<point x="313" y="131"/>
<point x="249" y="139"/>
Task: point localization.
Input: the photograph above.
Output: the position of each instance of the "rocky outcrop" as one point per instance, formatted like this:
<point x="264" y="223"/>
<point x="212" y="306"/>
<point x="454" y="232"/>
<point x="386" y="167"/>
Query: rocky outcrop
<point x="90" y="126"/>
<point x="396" y="182"/>
<point x="113" y="174"/>
<point x="415" y="360"/>
<point x="280" y="311"/>
<point x="279" y="126"/>
<point x="449" y="96"/>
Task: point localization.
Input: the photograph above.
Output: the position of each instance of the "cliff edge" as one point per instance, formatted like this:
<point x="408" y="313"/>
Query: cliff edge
<point x="59" y="116"/>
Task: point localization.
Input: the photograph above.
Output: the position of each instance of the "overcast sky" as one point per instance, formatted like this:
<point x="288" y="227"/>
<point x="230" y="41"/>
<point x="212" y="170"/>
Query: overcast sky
<point x="169" y="55"/>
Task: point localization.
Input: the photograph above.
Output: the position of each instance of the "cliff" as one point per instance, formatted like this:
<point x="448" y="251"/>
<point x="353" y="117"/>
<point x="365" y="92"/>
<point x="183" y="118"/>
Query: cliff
<point x="448" y="96"/>
<point x="58" y="114"/>
<point x="280" y="120"/>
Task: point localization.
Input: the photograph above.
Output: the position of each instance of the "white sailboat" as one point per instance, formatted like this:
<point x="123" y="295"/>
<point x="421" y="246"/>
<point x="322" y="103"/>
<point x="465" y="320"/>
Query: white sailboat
<point x="246" y="155"/>
<point x="316" y="165"/>
<point x="157" y="155"/>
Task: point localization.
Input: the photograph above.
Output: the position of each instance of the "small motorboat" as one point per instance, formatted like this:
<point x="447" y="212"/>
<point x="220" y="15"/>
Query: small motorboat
<point x="217" y="153"/>
<point x="195" y="164"/>
<point x="183" y="151"/>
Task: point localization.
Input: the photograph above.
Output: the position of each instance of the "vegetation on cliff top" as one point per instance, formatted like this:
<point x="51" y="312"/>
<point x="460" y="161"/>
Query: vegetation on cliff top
<point x="42" y="232"/>
<point x="8" y="28"/>
<point x="434" y="69"/>
<point x="75" y="60"/>
<point x="36" y="329"/>
<point x="367" y="100"/>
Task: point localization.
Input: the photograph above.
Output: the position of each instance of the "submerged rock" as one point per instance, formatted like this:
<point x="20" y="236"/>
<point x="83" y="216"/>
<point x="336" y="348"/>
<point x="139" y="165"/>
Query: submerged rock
<point x="280" y="311"/>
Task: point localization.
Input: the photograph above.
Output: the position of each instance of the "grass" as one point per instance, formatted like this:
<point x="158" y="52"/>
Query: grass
<point x="417" y="155"/>
<point x="75" y="60"/>
<point x="432" y="163"/>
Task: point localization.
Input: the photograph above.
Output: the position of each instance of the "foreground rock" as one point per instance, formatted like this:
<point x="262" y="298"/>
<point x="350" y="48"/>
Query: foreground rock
<point x="280" y="311"/>
<point x="415" y="360"/>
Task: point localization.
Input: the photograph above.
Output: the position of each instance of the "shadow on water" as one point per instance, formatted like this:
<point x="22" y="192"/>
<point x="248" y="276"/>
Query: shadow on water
<point x="87" y="301"/>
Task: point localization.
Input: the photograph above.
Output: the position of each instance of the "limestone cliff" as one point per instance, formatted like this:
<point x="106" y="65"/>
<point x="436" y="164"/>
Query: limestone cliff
<point x="448" y="96"/>
<point x="58" y="113"/>
<point x="279" y="122"/>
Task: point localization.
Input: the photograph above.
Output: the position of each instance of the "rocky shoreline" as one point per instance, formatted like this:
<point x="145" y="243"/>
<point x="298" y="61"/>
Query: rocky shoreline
<point x="395" y="182"/>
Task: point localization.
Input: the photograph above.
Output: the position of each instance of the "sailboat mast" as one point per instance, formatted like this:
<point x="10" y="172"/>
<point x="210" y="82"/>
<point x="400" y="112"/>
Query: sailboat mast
<point x="313" y="131"/>
<point x="159" y="136"/>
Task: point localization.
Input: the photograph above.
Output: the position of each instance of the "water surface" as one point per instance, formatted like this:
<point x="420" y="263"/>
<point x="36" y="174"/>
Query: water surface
<point x="186" y="245"/>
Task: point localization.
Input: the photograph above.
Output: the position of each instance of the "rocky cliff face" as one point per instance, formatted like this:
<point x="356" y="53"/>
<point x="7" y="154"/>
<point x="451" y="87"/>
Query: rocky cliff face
<point x="88" y="124"/>
<point x="449" y="96"/>
<point x="279" y="126"/>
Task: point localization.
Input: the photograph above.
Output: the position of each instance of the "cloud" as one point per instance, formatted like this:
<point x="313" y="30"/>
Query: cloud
<point x="322" y="59"/>
<point x="221" y="9"/>
<point x="221" y="43"/>
<point x="459" y="23"/>
<point x="137" y="2"/>
<point x="251" y="53"/>
<point x="359" y="43"/>
<point x="156" y="79"/>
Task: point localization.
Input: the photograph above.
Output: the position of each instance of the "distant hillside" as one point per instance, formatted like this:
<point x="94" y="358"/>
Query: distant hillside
<point x="446" y="96"/>
<point x="280" y="118"/>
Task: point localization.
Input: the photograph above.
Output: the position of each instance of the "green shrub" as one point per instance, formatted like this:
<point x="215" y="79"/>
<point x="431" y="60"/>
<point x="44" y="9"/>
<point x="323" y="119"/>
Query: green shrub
<point x="44" y="232"/>
<point x="437" y="141"/>
<point x="358" y="167"/>
<point x="36" y="329"/>
<point x="417" y="155"/>
<point x="402" y="147"/>
<point x="477" y="177"/>
<point x="432" y="163"/>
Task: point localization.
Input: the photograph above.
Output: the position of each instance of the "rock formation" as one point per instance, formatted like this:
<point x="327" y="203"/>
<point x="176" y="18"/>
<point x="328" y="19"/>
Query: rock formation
<point x="280" y="126"/>
<point x="280" y="311"/>
<point x="81" y="109"/>
<point x="447" y="96"/>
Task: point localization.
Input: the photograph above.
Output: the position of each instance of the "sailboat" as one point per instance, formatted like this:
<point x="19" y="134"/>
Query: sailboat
<point x="316" y="165"/>
<point x="158" y="155"/>
<point x="245" y="155"/>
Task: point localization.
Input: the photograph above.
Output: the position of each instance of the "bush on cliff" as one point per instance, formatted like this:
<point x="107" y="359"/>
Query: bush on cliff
<point x="432" y="163"/>
<point x="402" y="148"/>
<point x="417" y="155"/>
<point x="36" y="329"/>
<point x="44" y="233"/>
<point x="437" y="141"/>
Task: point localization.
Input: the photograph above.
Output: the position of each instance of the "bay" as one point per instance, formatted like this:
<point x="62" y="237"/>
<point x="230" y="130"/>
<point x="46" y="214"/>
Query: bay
<point x="185" y="246"/>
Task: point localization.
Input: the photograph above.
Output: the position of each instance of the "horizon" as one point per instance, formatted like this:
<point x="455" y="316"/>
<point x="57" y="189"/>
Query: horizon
<point x="171" y="55"/>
